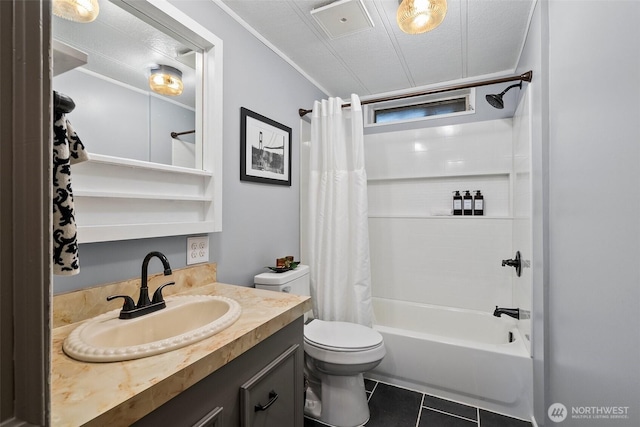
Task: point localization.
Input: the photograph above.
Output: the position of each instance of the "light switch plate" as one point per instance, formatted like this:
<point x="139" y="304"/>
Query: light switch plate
<point x="197" y="249"/>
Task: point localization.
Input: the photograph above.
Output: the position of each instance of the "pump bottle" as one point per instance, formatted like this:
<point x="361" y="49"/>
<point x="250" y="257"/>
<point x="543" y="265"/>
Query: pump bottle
<point x="457" y="203"/>
<point x="478" y="203"/>
<point x="467" y="203"/>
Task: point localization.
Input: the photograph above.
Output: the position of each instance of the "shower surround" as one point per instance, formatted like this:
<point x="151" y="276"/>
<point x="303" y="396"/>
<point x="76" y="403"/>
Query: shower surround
<point x="435" y="275"/>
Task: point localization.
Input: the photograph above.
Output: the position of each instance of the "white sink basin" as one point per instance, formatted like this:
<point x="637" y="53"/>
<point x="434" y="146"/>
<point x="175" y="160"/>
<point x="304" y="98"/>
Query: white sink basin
<point x="185" y="320"/>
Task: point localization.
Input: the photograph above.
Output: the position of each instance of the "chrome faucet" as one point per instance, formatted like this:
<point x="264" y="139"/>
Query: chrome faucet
<point x="513" y="312"/>
<point x="144" y="305"/>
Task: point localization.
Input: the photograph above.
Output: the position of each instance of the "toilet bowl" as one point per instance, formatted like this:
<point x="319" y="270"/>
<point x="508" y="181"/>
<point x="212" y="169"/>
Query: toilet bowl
<point x="336" y="356"/>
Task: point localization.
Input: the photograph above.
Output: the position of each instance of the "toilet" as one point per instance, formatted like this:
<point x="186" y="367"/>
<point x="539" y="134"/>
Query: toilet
<point x="336" y="355"/>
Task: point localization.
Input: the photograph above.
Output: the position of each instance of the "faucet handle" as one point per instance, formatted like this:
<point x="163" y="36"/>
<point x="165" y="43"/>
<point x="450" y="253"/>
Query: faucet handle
<point x="128" y="302"/>
<point x="157" y="295"/>
<point x="516" y="263"/>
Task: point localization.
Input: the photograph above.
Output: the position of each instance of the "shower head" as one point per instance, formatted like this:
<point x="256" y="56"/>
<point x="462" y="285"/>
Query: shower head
<point x="496" y="100"/>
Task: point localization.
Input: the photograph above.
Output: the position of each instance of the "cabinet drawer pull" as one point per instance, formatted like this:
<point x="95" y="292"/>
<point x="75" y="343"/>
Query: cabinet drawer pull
<point x="273" y="396"/>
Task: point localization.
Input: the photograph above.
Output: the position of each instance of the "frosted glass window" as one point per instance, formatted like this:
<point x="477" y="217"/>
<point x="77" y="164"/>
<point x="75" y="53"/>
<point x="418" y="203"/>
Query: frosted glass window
<point x="408" y="112"/>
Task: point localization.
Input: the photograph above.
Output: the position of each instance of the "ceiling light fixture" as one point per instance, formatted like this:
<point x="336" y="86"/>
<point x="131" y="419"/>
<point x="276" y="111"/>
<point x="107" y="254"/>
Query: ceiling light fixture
<point x="166" y="80"/>
<point x="420" y="16"/>
<point x="76" y="10"/>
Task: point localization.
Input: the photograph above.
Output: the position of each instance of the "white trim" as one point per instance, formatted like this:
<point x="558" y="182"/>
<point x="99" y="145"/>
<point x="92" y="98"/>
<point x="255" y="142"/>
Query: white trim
<point x="525" y="38"/>
<point x="178" y="15"/>
<point x="212" y="126"/>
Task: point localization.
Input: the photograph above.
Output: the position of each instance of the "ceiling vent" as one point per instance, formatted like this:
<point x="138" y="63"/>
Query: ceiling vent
<point x="342" y="18"/>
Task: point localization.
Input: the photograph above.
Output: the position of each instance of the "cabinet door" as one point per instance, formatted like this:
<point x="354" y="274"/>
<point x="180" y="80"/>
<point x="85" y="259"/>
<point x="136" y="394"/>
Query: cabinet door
<point x="212" y="419"/>
<point x="269" y="398"/>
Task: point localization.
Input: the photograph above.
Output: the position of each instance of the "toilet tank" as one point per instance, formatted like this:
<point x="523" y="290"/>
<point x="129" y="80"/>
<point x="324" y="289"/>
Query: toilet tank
<point x="293" y="281"/>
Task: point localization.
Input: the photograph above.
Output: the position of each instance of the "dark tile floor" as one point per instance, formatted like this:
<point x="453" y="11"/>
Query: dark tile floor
<point x="398" y="407"/>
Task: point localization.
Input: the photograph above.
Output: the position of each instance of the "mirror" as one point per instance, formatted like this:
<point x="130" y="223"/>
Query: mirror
<point x="116" y="113"/>
<point x="134" y="185"/>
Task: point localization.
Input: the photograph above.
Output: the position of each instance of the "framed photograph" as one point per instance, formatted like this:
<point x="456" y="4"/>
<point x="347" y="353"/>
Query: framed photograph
<point x="265" y="149"/>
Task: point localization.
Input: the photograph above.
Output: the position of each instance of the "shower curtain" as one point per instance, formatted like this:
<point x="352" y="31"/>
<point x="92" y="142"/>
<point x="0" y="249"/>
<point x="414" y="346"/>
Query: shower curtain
<point x="338" y="234"/>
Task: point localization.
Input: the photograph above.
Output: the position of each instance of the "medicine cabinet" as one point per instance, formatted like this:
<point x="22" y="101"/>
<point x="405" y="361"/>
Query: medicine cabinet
<point x="121" y="195"/>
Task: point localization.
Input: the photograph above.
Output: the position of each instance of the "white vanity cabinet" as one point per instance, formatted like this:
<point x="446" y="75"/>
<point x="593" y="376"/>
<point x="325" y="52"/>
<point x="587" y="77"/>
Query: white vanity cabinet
<point x="262" y="387"/>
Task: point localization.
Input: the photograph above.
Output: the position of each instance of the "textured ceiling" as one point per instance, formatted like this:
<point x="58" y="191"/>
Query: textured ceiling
<point x="476" y="38"/>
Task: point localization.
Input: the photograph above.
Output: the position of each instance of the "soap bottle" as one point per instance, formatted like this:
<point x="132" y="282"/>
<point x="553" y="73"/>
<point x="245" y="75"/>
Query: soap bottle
<point x="467" y="203"/>
<point x="478" y="203"/>
<point x="457" y="203"/>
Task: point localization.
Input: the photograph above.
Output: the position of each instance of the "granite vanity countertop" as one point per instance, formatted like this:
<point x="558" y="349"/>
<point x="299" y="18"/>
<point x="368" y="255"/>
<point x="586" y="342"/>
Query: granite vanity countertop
<point x="119" y="393"/>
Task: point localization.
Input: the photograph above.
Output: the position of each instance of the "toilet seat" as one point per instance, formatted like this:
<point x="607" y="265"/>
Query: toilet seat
<point x="343" y="343"/>
<point x="341" y="336"/>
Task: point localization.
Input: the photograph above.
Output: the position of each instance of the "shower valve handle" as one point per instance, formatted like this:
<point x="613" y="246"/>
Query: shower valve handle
<point x="516" y="262"/>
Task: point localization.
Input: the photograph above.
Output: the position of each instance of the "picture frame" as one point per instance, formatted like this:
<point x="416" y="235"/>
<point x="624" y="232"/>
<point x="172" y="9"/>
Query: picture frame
<point x="265" y="149"/>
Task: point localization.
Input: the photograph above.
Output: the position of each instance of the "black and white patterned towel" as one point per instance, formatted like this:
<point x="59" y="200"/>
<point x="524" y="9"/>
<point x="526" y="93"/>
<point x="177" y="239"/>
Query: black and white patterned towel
<point x="67" y="150"/>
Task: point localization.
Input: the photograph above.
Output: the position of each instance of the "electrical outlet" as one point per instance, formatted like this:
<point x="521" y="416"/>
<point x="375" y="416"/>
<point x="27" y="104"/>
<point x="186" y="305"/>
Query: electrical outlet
<point x="197" y="249"/>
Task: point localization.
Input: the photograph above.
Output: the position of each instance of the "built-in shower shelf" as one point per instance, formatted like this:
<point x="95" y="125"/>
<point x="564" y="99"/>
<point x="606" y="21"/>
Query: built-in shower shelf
<point x="456" y="217"/>
<point x="430" y="196"/>
<point x="503" y="174"/>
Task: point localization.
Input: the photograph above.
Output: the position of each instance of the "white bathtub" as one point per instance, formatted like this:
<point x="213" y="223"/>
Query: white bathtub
<point x="456" y="354"/>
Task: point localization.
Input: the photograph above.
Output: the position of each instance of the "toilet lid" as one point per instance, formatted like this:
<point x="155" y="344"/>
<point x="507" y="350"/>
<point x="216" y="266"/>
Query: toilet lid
<point x="342" y="336"/>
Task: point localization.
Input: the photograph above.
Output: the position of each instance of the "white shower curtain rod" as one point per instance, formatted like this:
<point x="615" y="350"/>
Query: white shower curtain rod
<point x="522" y="77"/>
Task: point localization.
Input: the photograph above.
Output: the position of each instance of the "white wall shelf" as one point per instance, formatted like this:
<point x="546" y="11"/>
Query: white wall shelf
<point x="117" y="199"/>
<point x="140" y="164"/>
<point x="108" y="195"/>
<point x="66" y="58"/>
<point x="107" y="233"/>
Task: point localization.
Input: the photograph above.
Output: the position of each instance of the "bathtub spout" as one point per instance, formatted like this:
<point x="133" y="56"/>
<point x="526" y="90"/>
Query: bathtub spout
<point x="513" y="312"/>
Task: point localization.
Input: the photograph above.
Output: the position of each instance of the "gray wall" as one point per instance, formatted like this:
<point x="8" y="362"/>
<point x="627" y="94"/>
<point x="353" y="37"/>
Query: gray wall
<point x="594" y="184"/>
<point x="588" y="181"/>
<point x="260" y="222"/>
